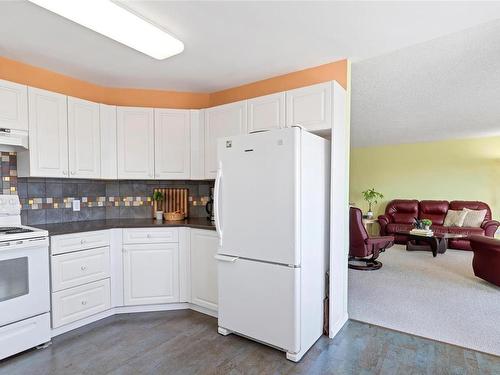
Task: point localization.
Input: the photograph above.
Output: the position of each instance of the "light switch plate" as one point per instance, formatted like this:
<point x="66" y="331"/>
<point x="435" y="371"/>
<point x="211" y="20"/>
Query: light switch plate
<point x="76" y="204"/>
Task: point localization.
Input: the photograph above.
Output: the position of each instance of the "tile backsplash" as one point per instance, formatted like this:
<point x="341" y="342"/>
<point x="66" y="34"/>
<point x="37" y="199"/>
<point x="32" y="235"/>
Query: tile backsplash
<point x="49" y="200"/>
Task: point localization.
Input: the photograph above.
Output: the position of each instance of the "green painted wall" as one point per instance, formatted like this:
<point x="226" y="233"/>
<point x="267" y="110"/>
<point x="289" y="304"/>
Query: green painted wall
<point x="467" y="169"/>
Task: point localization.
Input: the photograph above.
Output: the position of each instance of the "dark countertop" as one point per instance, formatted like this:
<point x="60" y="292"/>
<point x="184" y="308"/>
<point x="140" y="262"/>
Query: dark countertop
<point x="91" y="225"/>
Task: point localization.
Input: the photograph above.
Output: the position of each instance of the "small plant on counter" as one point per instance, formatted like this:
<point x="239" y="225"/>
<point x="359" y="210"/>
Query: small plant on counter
<point x="372" y="197"/>
<point x="158" y="197"/>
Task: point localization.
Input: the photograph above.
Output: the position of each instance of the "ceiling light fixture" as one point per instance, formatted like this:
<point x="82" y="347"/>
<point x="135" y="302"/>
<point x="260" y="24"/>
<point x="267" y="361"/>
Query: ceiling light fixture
<point x="117" y="23"/>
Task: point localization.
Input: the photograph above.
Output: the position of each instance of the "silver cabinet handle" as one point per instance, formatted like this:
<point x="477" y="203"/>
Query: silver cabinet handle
<point x="83" y="268"/>
<point x="84" y="303"/>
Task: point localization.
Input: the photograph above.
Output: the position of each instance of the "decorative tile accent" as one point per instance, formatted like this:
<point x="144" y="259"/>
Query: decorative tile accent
<point x="49" y="200"/>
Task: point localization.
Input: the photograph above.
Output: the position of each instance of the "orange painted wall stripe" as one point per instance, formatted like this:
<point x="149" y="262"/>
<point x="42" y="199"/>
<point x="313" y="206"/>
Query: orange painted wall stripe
<point x="30" y="75"/>
<point x="328" y="72"/>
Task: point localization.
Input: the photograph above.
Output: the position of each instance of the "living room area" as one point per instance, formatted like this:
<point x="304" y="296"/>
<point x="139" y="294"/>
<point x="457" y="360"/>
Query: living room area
<point x="425" y="136"/>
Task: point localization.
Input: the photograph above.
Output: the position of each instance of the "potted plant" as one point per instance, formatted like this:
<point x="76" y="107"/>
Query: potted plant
<point x="426" y="223"/>
<point x="372" y="197"/>
<point x="157" y="198"/>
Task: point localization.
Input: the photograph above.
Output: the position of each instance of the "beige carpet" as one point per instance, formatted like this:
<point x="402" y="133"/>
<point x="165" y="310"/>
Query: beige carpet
<point x="439" y="298"/>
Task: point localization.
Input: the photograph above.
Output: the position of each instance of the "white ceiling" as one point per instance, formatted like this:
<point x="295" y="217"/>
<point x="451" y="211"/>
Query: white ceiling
<point x="441" y="89"/>
<point x="231" y="43"/>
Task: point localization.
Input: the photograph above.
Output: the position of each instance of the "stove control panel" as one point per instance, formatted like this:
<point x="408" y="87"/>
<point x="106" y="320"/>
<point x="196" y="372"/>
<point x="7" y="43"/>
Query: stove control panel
<point x="9" y="205"/>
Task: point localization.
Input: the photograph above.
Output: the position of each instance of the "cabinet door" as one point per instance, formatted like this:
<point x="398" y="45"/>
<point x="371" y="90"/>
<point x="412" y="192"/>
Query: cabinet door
<point x="310" y="107"/>
<point x="222" y="121"/>
<point x="48" y="134"/>
<point x="84" y="139"/>
<point x="172" y="144"/>
<point x="107" y="120"/>
<point x="204" y="268"/>
<point x="151" y="274"/>
<point x="13" y="105"/>
<point x="197" y="144"/>
<point x="266" y="112"/>
<point x="135" y="146"/>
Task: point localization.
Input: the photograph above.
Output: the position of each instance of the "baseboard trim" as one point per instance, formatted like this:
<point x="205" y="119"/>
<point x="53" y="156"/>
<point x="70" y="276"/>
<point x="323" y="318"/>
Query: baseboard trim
<point x="131" y="310"/>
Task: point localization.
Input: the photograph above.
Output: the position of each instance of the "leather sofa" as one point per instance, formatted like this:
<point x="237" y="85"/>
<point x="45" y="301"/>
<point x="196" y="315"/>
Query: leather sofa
<point x="486" y="261"/>
<point x="400" y="213"/>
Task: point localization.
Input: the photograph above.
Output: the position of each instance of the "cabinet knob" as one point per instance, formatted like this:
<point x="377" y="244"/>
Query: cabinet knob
<point x="84" y="303"/>
<point x="148" y="236"/>
<point x="82" y="242"/>
<point x="65" y="172"/>
<point x="72" y="172"/>
<point x="83" y="268"/>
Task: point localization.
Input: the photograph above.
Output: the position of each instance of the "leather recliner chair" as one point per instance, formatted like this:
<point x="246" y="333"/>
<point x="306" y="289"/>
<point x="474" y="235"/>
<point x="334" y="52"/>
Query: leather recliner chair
<point x="362" y="246"/>
<point x="486" y="261"/>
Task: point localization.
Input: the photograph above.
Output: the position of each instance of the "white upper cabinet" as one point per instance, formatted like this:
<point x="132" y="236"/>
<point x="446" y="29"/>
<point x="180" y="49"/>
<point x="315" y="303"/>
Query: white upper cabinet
<point x="107" y="120"/>
<point x="222" y="121"/>
<point x="84" y="139"/>
<point x="310" y="107"/>
<point x="197" y="144"/>
<point x="48" y="136"/>
<point x="172" y="144"/>
<point x="266" y="112"/>
<point x="13" y="106"/>
<point x="135" y="143"/>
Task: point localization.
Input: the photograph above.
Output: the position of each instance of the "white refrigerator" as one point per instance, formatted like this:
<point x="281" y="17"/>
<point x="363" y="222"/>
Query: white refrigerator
<point x="272" y="216"/>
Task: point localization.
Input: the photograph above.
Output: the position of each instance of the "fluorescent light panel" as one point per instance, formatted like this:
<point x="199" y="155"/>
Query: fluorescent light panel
<point x="115" y="22"/>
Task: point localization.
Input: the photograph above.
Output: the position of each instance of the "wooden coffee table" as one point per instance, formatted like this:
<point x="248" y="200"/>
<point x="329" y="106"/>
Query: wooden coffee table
<point x="437" y="243"/>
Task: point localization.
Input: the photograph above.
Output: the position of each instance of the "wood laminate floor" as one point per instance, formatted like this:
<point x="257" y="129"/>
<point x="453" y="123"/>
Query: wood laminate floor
<point x="186" y="342"/>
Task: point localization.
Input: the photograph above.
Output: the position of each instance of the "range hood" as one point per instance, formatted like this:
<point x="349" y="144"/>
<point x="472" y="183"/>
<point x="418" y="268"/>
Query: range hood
<point x="12" y="140"/>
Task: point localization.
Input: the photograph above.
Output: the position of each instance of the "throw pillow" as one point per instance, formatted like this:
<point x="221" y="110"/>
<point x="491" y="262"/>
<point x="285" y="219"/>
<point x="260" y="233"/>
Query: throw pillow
<point x="454" y="218"/>
<point x="474" y="218"/>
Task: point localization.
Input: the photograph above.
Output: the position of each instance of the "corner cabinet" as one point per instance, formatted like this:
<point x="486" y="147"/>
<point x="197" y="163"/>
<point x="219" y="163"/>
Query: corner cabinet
<point x="107" y="124"/>
<point x="84" y="139"/>
<point x="222" y="121"/>
<point x="266" y="112"/>
<point x="135" y="143"/>
<point x="204" y="292"/>
<point x="150" y="273"/>
<point x="48" y="136"/>
<point x="310" y="107"/>
<point x="172" y="144"/>
<point x="13" y="105"/>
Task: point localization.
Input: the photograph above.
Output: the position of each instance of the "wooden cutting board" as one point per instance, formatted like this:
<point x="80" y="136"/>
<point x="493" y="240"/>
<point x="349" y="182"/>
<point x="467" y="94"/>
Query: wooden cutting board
<point x="174" y="199"/>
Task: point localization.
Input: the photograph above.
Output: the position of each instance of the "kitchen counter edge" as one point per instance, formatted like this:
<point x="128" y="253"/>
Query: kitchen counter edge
<point x="94" y="225"/>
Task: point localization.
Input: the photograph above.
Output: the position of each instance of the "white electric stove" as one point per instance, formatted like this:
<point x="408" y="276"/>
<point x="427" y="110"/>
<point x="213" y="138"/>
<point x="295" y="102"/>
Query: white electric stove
<point x="24" y="281"/>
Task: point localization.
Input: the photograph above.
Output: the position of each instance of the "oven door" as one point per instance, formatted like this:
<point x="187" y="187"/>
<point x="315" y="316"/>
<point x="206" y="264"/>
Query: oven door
<point x="24" y="279"/>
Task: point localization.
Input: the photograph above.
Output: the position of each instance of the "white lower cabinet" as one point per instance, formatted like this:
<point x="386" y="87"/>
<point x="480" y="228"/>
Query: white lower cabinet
<point x="151" y="273"/>
<point x="203" y="246"/>
<point x="73" y="304"/>
<point x="80" y="267"/>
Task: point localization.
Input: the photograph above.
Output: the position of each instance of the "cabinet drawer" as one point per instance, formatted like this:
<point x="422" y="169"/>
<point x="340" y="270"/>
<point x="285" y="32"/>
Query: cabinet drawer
<point x="80" y="302"/>
<point x="78" y="241"/>
<point x="80" y="267"/>
<point x="150" y="235"/>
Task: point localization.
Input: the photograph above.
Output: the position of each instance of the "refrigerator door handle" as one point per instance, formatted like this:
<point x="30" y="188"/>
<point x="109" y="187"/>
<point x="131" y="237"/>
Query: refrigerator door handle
<point x="225" y="258"/>
<point x="218" y="180"/>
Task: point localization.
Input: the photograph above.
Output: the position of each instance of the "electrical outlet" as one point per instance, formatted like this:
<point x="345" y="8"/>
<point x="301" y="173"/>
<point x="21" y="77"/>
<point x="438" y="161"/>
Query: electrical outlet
<point x="76" y="204"/>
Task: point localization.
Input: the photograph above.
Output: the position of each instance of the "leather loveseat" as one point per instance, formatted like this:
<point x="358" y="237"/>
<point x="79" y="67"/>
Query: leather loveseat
<point x="400" y="213"/>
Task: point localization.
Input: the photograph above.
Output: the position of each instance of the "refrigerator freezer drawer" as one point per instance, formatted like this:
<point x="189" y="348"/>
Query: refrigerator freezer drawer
<point x="260" y="300"/>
